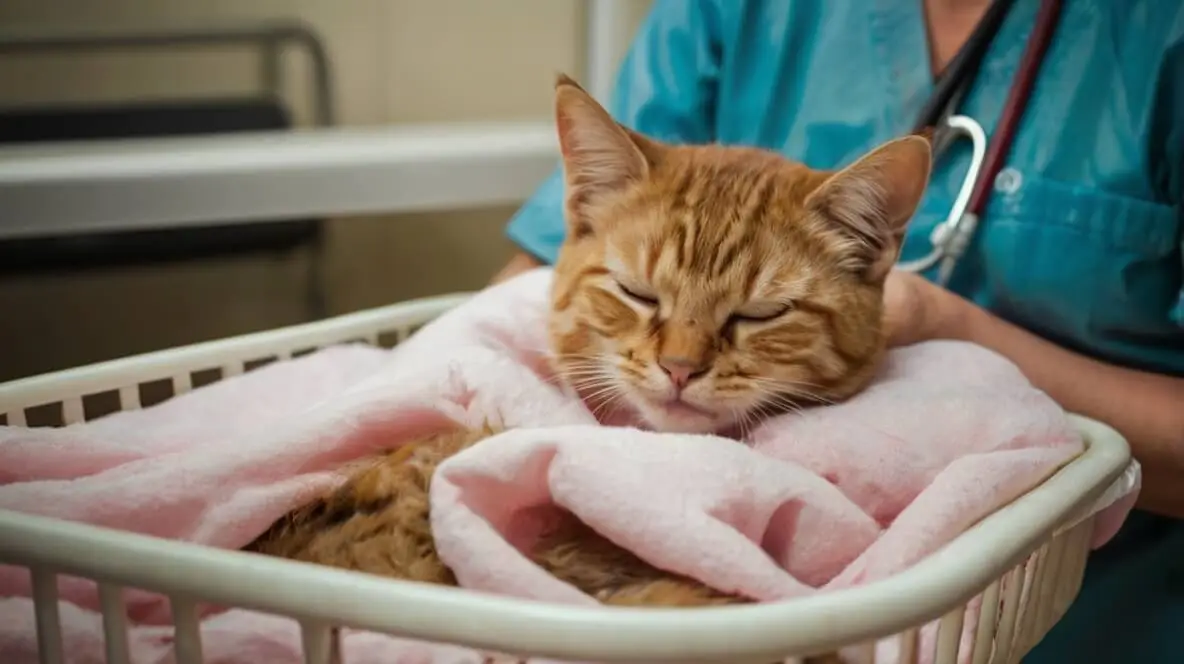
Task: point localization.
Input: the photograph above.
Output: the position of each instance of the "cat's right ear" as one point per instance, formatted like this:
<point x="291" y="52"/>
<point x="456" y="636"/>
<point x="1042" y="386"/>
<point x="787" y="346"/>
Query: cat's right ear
<point x="871" y="202"/>
<point x="600" y="158"/>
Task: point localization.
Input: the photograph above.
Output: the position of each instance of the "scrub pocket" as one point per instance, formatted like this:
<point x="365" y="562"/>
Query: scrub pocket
<point x="1091" y="268"/>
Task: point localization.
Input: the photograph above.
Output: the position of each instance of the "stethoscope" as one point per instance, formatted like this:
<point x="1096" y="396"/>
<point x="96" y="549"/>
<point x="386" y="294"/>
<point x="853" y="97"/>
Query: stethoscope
<point x="951" y="238"/>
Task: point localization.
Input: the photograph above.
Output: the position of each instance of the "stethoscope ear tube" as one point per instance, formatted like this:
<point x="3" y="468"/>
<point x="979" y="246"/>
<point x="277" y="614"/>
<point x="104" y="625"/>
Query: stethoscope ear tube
<point x="1017" y="101"/>
<point x="959" y="74"/>
<point x="951" y="238"/>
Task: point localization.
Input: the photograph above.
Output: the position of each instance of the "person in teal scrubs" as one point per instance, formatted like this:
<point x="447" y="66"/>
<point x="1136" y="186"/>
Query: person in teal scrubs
<point x="1076" y="270"/>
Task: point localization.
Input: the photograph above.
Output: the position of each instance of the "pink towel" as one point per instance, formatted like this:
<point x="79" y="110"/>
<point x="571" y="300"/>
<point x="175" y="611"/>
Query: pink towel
<point x="824" y="499"/>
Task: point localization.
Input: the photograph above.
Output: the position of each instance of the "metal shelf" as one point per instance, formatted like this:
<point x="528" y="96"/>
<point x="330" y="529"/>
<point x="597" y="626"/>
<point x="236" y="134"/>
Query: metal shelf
<point x="155" y="183"/>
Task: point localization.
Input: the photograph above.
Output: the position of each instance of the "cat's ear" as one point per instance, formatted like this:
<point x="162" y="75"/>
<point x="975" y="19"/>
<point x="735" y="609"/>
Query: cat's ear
<point x="600" y="157"/>
<point x="871" y="202"/>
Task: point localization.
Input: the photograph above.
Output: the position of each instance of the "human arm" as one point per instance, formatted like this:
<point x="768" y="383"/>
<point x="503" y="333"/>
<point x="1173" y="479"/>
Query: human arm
<point x="666" y="88"/>
<point x="1146" y="408"/>
<point x="520" y="262"/>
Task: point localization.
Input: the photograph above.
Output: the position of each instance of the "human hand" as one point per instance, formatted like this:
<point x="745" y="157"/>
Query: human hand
<point x="916" y="310"/>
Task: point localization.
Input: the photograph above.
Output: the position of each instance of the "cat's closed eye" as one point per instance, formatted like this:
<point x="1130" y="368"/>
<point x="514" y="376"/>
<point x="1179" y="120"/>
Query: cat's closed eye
<point x="638" y="295"/>
<point x="760" y="312"/>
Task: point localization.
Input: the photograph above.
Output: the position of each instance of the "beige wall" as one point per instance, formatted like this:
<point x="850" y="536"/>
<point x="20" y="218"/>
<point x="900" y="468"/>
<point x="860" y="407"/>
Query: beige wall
<point x="394" y="61"/>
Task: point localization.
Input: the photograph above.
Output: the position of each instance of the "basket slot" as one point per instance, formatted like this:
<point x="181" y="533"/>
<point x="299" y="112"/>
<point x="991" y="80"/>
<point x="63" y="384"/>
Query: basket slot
<point x="949" y="637"/>
<point x="155" y="391"/>
<point x="187" y="642"/>
<point x="203" y="377"/>
<point x="1013" y="585"/>
<point x="320" y="643"/>
<point x="1074" y="567"/>
<point x="49" y="623"/>
<point x="908" y="646"/>
<point x="1049" y="581"/>
<point x="114" y="624"/>
<point x="101" y="404"/>
<point x="390" y="338"/>
<point x="988" y="619"/>
<point x="864" y="653"/>
<point x="259" y="363"/>
<point x="50" y="414"/>
<point x="1030" y="600"/>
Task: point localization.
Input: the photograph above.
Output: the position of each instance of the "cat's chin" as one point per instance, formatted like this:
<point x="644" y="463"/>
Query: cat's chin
<point x="678" y="417"/>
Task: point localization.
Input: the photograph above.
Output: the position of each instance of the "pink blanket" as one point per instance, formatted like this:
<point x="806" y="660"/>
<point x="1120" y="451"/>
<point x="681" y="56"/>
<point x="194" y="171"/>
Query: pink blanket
<point x="821" y="500"/>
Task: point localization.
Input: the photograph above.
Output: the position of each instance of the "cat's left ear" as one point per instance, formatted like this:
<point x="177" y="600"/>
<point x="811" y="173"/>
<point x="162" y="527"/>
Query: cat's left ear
<point x="871" y="202"/>
<point x="601" y="159"/>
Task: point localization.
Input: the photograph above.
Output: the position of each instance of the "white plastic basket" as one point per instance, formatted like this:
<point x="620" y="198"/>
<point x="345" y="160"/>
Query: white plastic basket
<point x="1025" y="561"/>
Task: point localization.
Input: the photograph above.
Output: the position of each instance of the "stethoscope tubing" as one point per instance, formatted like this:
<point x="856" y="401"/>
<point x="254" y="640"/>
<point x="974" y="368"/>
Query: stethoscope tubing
<point x="952" y="237"/>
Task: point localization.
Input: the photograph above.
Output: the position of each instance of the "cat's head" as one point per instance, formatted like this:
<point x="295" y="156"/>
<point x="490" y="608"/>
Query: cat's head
<point x="706" y="286"/>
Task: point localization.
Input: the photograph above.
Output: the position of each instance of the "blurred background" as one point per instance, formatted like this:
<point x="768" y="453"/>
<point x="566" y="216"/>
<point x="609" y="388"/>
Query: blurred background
<point x="393" y="62"/>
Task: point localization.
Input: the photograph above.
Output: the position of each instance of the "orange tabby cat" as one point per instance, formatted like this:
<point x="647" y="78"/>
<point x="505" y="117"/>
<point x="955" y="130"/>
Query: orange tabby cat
<point x="704" y="287"/>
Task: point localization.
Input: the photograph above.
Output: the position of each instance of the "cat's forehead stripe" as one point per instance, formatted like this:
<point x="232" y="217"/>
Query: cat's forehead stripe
<point x="666" y="261"/>
<point x="696" y="232"/>
<point x="730" y="251"/>
<point x="759" y="196"/>
<point x="716" y="245"/>
<point x="682" y="187"/>
<point x="714" y="238"/>
<point x="679" y="241"/>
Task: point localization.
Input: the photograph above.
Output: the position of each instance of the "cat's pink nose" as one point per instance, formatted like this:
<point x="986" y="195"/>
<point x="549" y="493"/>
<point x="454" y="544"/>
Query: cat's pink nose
<point x="681" y="370"/>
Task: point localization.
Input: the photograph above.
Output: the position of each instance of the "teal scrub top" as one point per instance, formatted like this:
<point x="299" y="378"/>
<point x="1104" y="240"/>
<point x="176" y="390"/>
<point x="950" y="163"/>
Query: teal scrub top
<point x="1081" y="242"/>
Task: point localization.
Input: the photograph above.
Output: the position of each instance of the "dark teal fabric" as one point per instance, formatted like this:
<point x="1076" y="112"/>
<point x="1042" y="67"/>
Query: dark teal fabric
<point x="1131" y="608"/>
<point x="1081" y="242"/>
